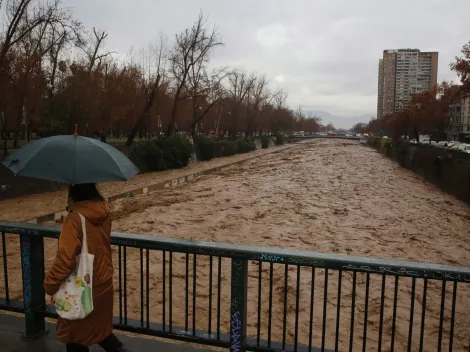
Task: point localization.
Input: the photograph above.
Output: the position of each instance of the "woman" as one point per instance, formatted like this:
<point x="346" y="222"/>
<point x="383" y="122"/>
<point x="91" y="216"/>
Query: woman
<point x="97" y="328"/>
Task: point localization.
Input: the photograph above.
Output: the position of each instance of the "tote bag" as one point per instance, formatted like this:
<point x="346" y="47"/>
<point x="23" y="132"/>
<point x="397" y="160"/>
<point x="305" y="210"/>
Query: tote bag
<point x="74" y="300"/>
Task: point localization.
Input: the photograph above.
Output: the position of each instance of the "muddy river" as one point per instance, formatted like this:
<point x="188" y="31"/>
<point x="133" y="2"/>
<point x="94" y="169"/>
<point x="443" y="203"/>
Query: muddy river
<point x="326" y="196"/>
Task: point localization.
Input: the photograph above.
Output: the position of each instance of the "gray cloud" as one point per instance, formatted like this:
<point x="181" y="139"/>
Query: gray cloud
<point x="323" y="53"/>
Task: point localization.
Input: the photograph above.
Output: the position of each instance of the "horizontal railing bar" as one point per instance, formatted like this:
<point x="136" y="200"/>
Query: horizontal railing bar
<point x="281" y="256"/>
<point x="13" y="305"/>
<point x="156" y="329"/>
<point x="252" y="345"/>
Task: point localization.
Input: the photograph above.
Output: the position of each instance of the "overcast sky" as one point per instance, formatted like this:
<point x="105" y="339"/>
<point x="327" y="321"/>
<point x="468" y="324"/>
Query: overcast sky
<point x="324" y="53"/>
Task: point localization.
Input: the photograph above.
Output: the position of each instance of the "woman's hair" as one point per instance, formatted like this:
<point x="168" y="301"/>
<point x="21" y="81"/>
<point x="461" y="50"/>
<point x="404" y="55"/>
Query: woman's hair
<point x="86" y="191"/>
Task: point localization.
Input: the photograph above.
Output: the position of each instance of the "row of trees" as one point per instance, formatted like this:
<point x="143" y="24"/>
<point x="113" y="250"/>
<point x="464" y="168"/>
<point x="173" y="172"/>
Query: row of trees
<point x="428" y="111"/>
<point x="55" y="74"/>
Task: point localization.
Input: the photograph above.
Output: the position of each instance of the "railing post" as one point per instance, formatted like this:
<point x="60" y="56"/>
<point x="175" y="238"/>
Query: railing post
<point x="32" y="264"/>
<point x="238" y="305"/>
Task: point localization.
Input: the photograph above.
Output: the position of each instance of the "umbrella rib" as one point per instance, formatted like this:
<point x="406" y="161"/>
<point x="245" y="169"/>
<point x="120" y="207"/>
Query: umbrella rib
<point x="36" y="152"/>
<point x="93" y="141"/>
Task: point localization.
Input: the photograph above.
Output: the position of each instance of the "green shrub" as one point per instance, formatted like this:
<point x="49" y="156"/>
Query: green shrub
<point x="176" y="151"/>
<point x="147" y="156"/>
<point x="229" y="148"/>
<point x="245" y="146"/>
<point x="161" y="154"/>
<point x="385" y="146"/>
<point x="280" y="139"/>
<point x="205" y="147"/>
<point x="265" y="142"/>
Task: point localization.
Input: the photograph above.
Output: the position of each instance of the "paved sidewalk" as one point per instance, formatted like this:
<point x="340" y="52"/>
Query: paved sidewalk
<point x="11" y="329"/>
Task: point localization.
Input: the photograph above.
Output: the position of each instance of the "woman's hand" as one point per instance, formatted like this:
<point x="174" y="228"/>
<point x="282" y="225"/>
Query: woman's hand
<point x="50" y="300"/>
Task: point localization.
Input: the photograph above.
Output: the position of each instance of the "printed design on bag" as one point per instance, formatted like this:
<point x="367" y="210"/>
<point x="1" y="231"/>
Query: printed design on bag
<point x="72" y="301"/>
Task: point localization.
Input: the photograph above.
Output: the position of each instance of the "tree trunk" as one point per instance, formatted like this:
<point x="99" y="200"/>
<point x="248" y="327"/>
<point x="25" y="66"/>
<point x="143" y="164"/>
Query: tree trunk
<point x="144" y="113"/>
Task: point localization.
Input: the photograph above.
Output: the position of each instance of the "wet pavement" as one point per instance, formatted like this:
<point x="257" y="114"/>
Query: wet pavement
<point x="11" y="329"/>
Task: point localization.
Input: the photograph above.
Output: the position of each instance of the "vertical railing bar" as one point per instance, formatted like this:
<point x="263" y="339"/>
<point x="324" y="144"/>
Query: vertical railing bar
<point x="141" y="253"/>
<point x="353" y="308"/>
<point x="147" y="284"/>
<point x="338" y="310"/>
<point x="186" y="315"/>
<point x="423" y="315"/>
<point x="412" y="310"/>
<point x="284" y="316"/>
<point x="210" y="295"/>
<point x="452" y="318"/>
<point x="270" y="302"/>
<point x="382" y="302"/>
<point x="441" y="316"/>
<point x="219" y="280"/>
<point x="5" y="269"/>
<point x="325" y="305"/>
<point x="120" y="283"/>
<point x="170" y="281"/>
<point x="164" y="291"/>
<point x="297" y="303"/>
<point x="312" y="300"/>
<point x="194" y="293"/>
<point x="366" y="313"/>
<point x="394" y="317"/>
<point x="258" y="328"/>
<point x="125" y="285"/>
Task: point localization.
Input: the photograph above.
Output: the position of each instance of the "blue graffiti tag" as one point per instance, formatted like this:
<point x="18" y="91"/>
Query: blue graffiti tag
<point x="236" y="329"/>
<point x="26" y="263"/>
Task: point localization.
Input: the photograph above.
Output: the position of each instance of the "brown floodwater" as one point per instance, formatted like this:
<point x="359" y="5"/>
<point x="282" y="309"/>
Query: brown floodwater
<point x="327" y="196"/>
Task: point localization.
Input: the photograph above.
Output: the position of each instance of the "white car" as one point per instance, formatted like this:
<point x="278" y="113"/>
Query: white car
<point x="465" y="148"/>
<point x="443" y="144"/>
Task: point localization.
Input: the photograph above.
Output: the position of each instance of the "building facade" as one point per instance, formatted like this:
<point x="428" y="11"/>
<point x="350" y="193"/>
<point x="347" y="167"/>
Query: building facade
<point x="403" y="72"/>
<point x="459" y="120"/>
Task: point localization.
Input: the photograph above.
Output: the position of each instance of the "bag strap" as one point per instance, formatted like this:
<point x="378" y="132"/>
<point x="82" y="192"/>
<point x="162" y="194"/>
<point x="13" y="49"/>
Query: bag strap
<point x="84" y="241"/>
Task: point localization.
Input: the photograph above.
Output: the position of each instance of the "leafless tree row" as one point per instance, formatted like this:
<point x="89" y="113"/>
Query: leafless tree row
<point x="54" y="73"/>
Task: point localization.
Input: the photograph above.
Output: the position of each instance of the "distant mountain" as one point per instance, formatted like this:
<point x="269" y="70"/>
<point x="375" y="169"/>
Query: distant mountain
<point x="339" y="121"/>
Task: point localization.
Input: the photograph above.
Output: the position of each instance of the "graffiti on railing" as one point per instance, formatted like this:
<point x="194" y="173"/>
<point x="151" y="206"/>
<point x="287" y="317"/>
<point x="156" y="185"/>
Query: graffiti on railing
<point x="296" y="261"/>
<point x="235" y="303"/>
<point x="236" y="330"/>
<point x="203" y="335"/>
<point x="271" y="258"/>
<point x="208" y="336"/>
<point x="238" y="275"/>
<point x="407" y="272"/>
<point x="307" y="262"/>
<point x="125" y="243"/>
<point x="26" y="263"/>
<point x="184" y="332"/>
<point x="23" y="231"/>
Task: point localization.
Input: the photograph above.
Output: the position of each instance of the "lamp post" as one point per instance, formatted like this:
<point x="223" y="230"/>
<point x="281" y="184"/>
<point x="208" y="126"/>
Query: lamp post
<point x="159" y="124"/>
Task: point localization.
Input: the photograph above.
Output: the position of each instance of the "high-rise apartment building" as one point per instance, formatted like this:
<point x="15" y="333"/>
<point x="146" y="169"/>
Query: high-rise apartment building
<point x="404" y="72"/>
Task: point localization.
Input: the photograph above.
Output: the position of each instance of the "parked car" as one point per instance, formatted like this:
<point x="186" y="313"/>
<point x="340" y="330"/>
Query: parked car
<point x="465" y="148"/>
<point x="443" y="144"/>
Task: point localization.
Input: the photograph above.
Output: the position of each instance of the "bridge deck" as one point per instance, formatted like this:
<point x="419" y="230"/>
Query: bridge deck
<point x="11" y="329"/>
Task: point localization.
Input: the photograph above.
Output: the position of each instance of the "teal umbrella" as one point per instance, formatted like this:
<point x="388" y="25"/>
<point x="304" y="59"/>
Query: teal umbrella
<point x="71" y="160"/>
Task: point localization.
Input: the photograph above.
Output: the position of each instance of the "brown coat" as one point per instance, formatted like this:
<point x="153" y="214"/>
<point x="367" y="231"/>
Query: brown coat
<point x="99" y="324"/>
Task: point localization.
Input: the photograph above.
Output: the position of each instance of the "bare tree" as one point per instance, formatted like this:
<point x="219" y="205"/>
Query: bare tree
<point x="155" y="85"/>
<point x="240" y="85"/>
<point x="205" y="91"/>
<point x="191" y="51"/>
<point x="258" y="97"/>
<point x="92" y="51"/>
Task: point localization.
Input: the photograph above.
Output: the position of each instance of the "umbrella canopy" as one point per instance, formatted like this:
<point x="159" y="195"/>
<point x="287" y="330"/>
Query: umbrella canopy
<point x="71" y="160"/>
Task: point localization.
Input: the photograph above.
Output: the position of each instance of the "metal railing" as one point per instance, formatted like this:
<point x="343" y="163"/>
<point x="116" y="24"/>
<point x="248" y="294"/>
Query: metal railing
<point x="251" y="298"/>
